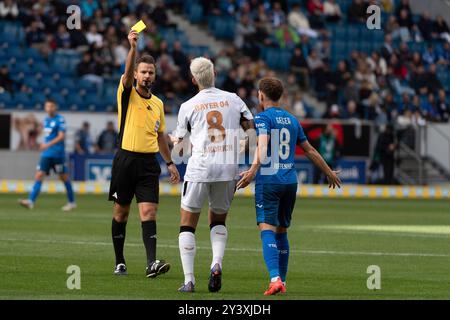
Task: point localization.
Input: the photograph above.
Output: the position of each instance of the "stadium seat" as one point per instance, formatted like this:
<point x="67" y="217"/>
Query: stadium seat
<point x="75" y="102"/>
<point x="59" y="99"/>
<point x="5" y="100"/>
<point x="22" y="100"/>
<point x="41" y="68"/>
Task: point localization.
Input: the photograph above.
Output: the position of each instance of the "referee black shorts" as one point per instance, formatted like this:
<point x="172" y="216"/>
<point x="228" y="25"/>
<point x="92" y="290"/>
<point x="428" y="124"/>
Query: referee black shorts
<point x="134" y="174"/>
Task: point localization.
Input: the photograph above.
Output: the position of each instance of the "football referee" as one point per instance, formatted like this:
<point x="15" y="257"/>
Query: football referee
<point x="135" y="169"/>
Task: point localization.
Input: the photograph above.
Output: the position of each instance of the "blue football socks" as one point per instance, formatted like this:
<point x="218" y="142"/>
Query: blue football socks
<point x="69" y="190"/>
<point x="35" y="191"/>
<point x="283" y="251"/>
<point x="270" y="253"/>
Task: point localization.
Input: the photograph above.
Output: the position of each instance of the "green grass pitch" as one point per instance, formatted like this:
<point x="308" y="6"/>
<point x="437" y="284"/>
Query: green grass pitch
<point x="333" y="241"/>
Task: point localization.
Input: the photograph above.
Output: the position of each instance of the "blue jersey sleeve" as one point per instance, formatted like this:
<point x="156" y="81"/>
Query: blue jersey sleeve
<point x="61" y="124"/>
<point x="262" y="124"/>
<point x="301" y="134"/>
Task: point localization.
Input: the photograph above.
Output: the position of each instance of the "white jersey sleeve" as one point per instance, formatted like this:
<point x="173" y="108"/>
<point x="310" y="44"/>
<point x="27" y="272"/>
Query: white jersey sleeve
<point x="182" y="122"/>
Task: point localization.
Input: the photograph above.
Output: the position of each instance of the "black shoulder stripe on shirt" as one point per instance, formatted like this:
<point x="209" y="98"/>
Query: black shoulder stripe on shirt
<point x="125" y="99"/>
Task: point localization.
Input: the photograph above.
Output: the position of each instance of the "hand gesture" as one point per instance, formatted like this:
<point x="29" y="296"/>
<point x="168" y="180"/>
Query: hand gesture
<point x="174" y="174"/>
<point x="333" y="179"/>
<point x="132" y="38"/>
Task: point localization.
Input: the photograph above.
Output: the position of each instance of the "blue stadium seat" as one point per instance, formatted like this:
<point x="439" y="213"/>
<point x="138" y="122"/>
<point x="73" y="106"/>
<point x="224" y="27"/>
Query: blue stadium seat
<point x="42" y="68"/>
<point x="92" y="101"/>
<point x="5" y="100"/>
<point x="32" y="53"/>
<point x="59" y="99"/>
<point x="32" y="83"/>
<point x="75" y="102"/>
<point x="22" y="100"/>
<point x="20" y="67"/>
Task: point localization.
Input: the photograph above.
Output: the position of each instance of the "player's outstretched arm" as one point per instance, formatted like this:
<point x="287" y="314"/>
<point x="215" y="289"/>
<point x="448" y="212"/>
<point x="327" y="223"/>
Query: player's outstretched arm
<point x="128" y="76"/>
<point x="315" y="157"/>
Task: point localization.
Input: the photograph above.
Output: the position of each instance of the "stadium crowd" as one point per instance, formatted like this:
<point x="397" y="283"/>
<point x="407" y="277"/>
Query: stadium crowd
<point x="362" y="86"/>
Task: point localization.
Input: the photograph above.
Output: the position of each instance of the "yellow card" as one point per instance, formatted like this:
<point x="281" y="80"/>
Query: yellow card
<point x="138" y="27"/>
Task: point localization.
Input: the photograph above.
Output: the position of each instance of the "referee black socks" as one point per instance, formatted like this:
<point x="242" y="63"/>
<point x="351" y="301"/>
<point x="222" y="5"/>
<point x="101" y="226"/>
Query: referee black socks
<point x="149" y="238"/>
<point x="118" y="231"/>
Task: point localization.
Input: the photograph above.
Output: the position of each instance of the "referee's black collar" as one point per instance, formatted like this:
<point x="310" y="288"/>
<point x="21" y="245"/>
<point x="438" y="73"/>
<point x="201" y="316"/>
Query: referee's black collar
<point x="140" y="95"/>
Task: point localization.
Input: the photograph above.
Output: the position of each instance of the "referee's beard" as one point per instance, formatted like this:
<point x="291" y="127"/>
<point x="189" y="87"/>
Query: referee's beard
<point x="146" y="86"/>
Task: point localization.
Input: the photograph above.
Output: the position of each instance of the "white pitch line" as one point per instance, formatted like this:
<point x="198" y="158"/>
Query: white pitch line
<point x="312" y="252"/>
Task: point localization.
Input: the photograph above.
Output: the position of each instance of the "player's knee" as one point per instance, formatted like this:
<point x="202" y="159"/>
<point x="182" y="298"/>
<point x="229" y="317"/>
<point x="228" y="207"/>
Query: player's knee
<point x="121" y="212"/>
<point x="148" y="213"/>
<point x="64" y="177"/>
<point x="39" y="175"/>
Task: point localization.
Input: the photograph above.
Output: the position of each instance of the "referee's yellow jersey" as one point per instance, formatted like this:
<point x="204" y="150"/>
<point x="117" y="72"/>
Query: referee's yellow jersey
<point x="140" y="120"/>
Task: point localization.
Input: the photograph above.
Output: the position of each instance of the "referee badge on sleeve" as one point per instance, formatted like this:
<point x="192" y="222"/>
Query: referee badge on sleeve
<point x="157" y="123"/>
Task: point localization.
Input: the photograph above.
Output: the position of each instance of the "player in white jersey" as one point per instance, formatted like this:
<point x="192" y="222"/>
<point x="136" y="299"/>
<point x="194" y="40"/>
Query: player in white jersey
<point x="214" y="118"/>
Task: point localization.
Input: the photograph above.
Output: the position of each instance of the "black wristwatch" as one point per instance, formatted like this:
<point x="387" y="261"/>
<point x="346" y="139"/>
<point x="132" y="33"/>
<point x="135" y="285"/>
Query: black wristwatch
<point x="169" y="163"/>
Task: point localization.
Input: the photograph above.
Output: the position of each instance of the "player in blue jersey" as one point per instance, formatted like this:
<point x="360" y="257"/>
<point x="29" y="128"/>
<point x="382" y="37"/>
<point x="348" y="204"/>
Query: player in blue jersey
<point x="279" y="133"/>
<point x="52" y="157"/>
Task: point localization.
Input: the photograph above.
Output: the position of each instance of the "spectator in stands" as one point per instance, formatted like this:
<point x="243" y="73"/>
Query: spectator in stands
<point x="230" y="84"/>
<point x="386" y="149"/>
<point x="299" y="107"/>
<point x="90" y="70"/>
<point x="328" y="149"/>
<point x="223" y="62"/>
<point x="444" y="55"/>
<point x="35" y="35"/>
<point x="405" y="23"/>
<point x="180" y="59"/>
<point x="443" y="106"/>
<point x="441" y="30"/>
<point x="93" y="37"/>
<point x="425" y="25"/>
<point x="351" y="91"/>
<point x="299" y="21"/>
<point x="244" y="32"/>
<point x="122" y="7"/>
<point x="351" y="111"/>
<point x="88" y="8"/>
<point x="278" y="16"/>
<point x="83" y="140"/>
<point x="332" y="11"/>
<point x="159" y="14"/>
<point x="404" y="5"/>
<point x="387" y="49"/>
<point x="299" y="66"/>
<point x="107" y="141"/>
<point x="432" y="81"/>
<point x="6" y="83"/>
<point x="8" y="10"/>
<point x="357" y="11"/>
<point x="428" y="108"/>
<point x="62" y="38"/>
<point x="286" y="36"/>
<point x="315" y="9"/>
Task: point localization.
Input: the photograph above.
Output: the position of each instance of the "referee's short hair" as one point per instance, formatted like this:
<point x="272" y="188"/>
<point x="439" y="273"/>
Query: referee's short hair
<point x="271" y="87"/>
<point x="146" y="58"/>
<point x="202" y="69"/>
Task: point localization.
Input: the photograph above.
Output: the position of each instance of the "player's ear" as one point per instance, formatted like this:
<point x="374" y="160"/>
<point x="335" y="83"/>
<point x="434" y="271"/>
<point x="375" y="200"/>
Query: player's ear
<point x="135" y="74"/>
<point x="194" y="82"/>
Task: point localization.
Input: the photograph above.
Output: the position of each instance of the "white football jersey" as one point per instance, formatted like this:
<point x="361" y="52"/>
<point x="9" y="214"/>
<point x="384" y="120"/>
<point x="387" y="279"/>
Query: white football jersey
<point x="213" y="119"/>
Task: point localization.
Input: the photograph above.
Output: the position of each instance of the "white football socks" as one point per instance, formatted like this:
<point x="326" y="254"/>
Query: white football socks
<point x="219" y="236"/>
<point x="186" y="243"/>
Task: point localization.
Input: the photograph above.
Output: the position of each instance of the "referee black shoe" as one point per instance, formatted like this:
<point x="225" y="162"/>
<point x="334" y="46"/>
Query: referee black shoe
<point x="121" y="270"/>
<point x="156" y="268"/>
<point x="215" y="279"/>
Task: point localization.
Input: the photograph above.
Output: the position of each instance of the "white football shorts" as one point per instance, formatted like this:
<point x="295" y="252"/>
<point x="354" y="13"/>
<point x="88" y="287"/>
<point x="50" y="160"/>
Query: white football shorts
<point x="219" y="194"/>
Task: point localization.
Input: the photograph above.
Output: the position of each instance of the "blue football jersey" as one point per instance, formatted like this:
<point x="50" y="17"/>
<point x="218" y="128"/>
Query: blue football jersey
<point x="52" y="126"/>
<point x="284" y="131"/>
